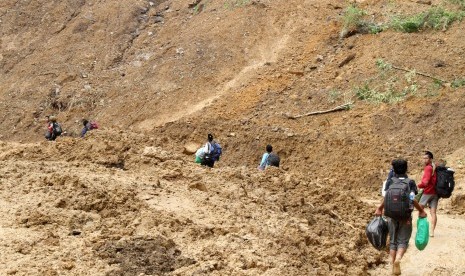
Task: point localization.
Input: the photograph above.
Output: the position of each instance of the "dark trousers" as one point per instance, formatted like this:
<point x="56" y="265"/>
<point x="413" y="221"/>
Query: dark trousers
<point x="207" y="162"/>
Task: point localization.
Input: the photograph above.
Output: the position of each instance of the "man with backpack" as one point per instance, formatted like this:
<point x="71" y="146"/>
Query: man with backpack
<point x="53" y="128"/>
<point x="428" y="184"/>
<point x="212" y="152"/>
<point x="398" y="205"/>
<point x="269" y="158"/>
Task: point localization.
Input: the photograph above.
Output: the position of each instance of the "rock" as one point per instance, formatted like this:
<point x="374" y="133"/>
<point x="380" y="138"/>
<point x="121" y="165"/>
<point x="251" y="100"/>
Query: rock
<point x="424" y="2"/>
<point x="190" y="148"/>
<point x="232" y="134"/>
<point x="68" y="265"/>
<point x="198" y="186"/>
<point x="439" y="63"/>
<point x="76" y="232"/>
<point x="158" y="19"/>
<point x="311" y="67"/>
<point x="156" y="152"/>
<point x="12" y="271"/>
<point x="348" y="59"/>
<point x="319" y="58"/>
<point x="194" y="3"/>
<point x="290" y="134"/>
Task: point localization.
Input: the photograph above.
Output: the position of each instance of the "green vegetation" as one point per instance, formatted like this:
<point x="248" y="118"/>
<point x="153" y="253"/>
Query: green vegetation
<point x="353" y="21"/>
<point x="231" y="4"/>
<point x="353" y="17"/>
<point x="389" y="95"/>
<point x="458" y="83"/>
<point x="391" y="86"/>
<point x="436" y="18"/>
<point x="333" y="95"/>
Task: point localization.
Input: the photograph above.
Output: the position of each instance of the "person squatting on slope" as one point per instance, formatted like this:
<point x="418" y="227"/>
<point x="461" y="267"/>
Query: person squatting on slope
<point x="53" y="128"/>
<point x="87" y="126"/>
<point x="212" y="152"/>
<point x="428" y="184"/>
<point x="269" y="158"/>
<point x="398" y="208"/>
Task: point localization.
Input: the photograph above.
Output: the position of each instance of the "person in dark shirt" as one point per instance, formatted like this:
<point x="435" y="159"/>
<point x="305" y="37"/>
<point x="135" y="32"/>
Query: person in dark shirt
<point x="400" y="231"/>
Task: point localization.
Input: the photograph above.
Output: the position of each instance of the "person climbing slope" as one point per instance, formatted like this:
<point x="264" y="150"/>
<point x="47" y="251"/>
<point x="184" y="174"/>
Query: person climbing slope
<point x="53" y="128"/>
<point x="269" y="158"/>
<point x="88" y="126"/>
<point x="212" y="151"/>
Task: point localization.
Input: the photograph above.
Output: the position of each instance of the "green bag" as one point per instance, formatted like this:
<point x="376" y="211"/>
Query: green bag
<point x="422" y="236"/>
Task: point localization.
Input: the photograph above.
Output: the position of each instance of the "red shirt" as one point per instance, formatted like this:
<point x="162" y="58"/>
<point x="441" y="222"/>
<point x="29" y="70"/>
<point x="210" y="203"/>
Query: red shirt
<point x="428" y="181"/>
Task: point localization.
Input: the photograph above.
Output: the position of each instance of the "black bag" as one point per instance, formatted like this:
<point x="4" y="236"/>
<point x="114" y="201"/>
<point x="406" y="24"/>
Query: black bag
<point x="273" y="160"/>
<point x="377" y="232"/>
<point x="396" y="201"/>
<point x="445" y="181"/>
<point x="57" y="129"/>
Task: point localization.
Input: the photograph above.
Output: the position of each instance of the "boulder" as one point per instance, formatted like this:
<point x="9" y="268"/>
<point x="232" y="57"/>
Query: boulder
<point x="190" y="148"/>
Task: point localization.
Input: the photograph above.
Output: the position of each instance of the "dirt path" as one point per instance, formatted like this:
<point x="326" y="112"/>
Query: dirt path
<point x="444" y="254"/>
<point x="268" y="53"/>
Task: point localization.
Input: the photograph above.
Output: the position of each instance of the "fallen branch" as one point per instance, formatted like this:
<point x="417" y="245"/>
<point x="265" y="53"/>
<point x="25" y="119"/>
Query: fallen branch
<point x="419" y="73"/>
<point x="337" y="108"/>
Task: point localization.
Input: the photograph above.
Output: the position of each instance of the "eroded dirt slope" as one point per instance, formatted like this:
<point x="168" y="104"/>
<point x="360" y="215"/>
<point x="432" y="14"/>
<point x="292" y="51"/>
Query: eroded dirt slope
<point x="158" y="75"/>
<point x="86" y="213"/>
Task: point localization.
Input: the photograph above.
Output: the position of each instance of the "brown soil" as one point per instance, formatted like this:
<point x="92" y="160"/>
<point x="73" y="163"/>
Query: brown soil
<point x="159" y="75"/>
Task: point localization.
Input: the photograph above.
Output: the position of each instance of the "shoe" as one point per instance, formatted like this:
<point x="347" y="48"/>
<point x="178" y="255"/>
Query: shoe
<point x="396" y="268"/>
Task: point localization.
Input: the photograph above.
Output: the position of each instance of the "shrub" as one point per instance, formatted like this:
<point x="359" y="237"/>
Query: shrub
<point x="352" y="18"/>
<point x="435" y="18"/>
<point x="458" y="83"/>
<point x="369" y="94"/>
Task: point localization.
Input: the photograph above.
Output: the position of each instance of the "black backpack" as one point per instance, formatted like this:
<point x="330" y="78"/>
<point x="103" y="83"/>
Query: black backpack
<point x="396" y="201"/>
<point x="445" y="181"/>
<point x="57" y="129"/>
<point x="273" y="160"/>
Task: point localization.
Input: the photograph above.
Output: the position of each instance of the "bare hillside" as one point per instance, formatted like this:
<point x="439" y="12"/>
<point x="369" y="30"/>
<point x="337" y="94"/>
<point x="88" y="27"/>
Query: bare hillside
<point x="158" y="75"/>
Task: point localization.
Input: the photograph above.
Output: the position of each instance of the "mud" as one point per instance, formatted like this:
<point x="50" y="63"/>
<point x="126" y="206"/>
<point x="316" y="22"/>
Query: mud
<point x="158" y="76"/>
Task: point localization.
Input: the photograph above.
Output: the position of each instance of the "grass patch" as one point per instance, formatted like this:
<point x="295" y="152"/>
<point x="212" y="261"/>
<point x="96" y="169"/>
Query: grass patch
<point x="231" y="4"/>
<point x="353" y="21"/>
<point x="371" y="94"/>
<point x="334" y="95"/>
<point x="436" y="18"/>
<point x="353" y="17"/>
<point x="458" y="83"/>
<point x="391" y="86"/>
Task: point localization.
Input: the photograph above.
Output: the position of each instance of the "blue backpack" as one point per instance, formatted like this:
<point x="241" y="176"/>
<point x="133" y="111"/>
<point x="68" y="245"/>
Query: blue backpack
<point x="215" y="152"/>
